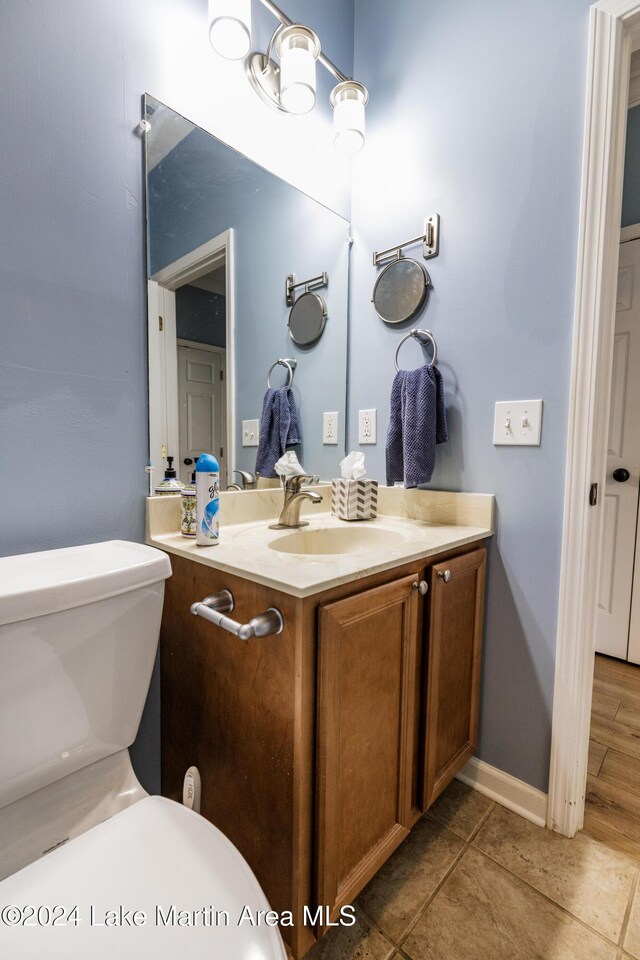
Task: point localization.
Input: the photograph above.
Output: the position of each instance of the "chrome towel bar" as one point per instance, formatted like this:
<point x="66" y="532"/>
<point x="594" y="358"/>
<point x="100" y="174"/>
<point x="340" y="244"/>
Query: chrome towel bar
<point x="214" y="609"/>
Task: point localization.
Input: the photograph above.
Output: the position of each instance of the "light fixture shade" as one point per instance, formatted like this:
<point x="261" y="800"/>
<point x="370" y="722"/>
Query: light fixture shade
<point x="298" y="49"/>
<point x="230" y="27"/>
<point x="349" y="100"/>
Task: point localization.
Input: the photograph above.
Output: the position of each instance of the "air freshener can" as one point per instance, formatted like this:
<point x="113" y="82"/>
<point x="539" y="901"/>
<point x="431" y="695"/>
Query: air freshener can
<point x="207" y="501"/>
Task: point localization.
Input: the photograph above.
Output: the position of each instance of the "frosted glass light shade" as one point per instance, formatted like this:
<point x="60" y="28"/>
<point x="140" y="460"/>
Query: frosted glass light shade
<point x="349" y="100"/>
<point x="298" y="49"/>
<point x="230" y="28"/>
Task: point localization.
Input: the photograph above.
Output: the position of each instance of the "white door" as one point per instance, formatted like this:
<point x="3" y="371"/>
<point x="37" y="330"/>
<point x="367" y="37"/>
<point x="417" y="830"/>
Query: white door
<point x="201" y="407"/>
<point x="623" y="465"/>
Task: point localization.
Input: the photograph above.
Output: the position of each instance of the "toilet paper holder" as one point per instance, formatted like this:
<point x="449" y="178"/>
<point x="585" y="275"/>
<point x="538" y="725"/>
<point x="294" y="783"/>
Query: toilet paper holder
<point x="216" y="607"/>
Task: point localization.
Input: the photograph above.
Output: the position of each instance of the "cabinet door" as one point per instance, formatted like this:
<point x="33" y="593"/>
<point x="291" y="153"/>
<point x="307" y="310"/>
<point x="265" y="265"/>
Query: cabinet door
<point x="366" y="730"/>
<point x="453" y="669"/>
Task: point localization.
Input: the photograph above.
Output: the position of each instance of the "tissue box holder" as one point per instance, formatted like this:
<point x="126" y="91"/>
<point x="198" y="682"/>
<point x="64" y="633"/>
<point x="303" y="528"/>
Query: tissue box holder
<point x="354" y="499"/>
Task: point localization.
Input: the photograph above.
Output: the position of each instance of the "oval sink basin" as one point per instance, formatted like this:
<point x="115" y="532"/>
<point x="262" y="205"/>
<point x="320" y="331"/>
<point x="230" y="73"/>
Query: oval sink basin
<point x="337" y="541"/>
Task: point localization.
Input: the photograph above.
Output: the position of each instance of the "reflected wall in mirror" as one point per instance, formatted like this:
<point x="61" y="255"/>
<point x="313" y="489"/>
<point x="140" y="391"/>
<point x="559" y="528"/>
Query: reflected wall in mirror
<point x="223" y="234"/>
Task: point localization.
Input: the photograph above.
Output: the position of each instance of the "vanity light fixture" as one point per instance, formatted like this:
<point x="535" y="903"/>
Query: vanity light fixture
<point x="230" y="28"/>
<point x="289" y="86"/>
<point x="298" y="49"/>
<point x="348" y="100"/>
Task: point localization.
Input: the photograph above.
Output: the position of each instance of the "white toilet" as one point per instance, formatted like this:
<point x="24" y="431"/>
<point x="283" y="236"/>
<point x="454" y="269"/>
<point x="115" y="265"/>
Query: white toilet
<point x="125" y="874"/>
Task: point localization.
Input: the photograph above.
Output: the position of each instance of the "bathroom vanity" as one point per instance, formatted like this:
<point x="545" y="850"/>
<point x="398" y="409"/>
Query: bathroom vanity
<point x="320" y="747"/>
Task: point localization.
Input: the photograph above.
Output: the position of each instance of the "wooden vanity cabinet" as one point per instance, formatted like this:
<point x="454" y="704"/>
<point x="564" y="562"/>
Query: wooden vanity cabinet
<point x="320" y="748"/>
<point x="452" y="673"/>
<point x="367" y="652"/>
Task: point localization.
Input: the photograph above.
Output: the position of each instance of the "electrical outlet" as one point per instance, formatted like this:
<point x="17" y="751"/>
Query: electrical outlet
<point x="367" y="426"/>
<point x="517" y="423"/>
<point x="250" y="433"/>
<point x="330" y="427"/>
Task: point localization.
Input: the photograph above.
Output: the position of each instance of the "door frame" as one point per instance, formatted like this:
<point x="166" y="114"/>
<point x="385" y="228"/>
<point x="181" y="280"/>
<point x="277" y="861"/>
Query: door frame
<point x="614" y="30"/>
<point x="163" y="358"/>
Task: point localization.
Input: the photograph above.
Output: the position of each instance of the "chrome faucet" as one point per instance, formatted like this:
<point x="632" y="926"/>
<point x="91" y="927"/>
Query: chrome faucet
<point x="247" y="479"/>
<point x="293" y="496"/>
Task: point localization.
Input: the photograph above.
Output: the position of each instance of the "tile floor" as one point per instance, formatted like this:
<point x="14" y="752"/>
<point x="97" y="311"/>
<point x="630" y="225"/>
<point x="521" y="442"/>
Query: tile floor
<point x="612" y="811"/>
<point x="474" y="880"/>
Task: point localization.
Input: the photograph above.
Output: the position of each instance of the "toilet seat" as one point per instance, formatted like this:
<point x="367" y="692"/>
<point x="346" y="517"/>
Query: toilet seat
<point x="154" y="855"/>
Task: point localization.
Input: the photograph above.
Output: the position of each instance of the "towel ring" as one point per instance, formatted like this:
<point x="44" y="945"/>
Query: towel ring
<point x="289" y="364"/>
<point x="421" y="335"/>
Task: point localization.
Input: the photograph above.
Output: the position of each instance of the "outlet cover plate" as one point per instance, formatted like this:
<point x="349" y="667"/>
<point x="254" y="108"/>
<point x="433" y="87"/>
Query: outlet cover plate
<point x="250" y="433"/>
<point x="330" y="428"/>
<point x="367" y="427"/>
<point x="517" y="423"/>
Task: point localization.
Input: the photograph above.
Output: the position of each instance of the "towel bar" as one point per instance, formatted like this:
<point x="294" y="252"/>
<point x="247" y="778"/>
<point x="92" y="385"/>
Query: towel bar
<point x="422" y="335"/>
<point x="287" y="362"/>
<point x="266" y="624"/>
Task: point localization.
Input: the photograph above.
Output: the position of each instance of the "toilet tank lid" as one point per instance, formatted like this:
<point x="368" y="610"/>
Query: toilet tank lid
<point x="36" y="584"/>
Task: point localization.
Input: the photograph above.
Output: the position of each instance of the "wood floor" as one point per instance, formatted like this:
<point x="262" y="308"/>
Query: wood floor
<point x="612" y="811"/>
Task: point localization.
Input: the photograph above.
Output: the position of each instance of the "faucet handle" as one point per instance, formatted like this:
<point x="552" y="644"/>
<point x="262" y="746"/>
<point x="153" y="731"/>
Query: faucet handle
<point x="293" y="484"/>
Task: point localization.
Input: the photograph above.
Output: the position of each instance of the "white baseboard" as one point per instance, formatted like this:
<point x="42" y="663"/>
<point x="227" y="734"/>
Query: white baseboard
<point x="505" y="789"/>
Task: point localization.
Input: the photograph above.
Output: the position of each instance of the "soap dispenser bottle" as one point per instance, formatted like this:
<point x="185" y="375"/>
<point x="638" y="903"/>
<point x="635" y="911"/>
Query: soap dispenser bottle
<point x="170" y="484"/>
<point x="188" y="511"/>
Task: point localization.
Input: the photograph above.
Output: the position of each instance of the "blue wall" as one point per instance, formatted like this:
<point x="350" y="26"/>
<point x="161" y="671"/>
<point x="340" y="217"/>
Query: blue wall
<point x="631" y="188"/>
<point x="477" y="113"/>
<point x="201" y="316"/>
<point x="73" y="357"/>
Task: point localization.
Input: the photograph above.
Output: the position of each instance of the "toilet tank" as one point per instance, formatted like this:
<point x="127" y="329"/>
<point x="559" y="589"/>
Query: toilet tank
<point x="79" y="630"/>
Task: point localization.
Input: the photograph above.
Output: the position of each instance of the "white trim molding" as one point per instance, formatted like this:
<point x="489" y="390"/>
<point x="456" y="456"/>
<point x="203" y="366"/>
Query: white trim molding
<point x="201" y="260"/>
<point x="632" y="232"/>
<point x="506" y="790"/>
<point x="613" y="24"/>
<point x="634" y="80"/>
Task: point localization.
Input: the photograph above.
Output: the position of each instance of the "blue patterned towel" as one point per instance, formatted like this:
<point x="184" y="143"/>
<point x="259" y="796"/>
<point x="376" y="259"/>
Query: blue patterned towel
<point x="417" y="422"/>
<point x="279" y="429"/>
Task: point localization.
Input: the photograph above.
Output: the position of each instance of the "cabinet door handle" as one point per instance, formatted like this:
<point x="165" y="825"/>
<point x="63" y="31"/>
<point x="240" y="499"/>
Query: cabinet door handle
<point x="422" y="586"/>
<point x="444" y="575"/>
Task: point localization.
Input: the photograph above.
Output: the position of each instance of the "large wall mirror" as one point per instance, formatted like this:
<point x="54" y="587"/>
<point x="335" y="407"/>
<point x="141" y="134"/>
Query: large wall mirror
<point x="223" y="236"/>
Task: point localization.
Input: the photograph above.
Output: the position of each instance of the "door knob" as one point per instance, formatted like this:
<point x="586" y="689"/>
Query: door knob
<point x="422" y="587"/>
<point x="444" y="575"/>
<point x="621" y="475"/>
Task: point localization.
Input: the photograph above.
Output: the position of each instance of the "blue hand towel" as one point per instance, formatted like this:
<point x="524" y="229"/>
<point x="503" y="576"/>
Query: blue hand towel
<point x="418" y="421"/>
<point x="279" y="429"/>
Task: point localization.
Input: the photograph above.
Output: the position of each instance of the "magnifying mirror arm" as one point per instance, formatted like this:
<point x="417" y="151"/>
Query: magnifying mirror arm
<point x="430" y="237"/>
<point x="290" y="285"/>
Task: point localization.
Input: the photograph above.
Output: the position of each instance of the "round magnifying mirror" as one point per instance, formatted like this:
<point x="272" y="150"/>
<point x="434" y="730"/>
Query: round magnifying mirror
<point x="307" y="319"/>
<point x="400" y="290"/>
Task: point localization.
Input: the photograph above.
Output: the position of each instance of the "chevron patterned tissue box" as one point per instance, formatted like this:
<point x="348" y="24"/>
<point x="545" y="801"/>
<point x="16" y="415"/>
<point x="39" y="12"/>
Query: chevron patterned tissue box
<point x="354" y="499"/>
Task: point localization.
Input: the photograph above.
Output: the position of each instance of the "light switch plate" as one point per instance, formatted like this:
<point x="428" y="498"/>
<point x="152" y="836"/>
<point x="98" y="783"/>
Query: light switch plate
<point x="250" y="433"/>
<point x="367" y="428"/>
<point x="330" y="427"/>
<point x="517" y="423"/>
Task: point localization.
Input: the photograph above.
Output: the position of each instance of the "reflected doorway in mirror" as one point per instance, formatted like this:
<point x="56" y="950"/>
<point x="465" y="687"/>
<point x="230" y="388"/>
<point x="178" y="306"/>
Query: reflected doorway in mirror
<point x="191" y="302"/>
<point x="201" y="404"/>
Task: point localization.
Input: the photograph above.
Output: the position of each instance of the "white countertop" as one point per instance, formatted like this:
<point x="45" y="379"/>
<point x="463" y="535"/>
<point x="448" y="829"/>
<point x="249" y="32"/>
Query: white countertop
<point x="430" y="523"/>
